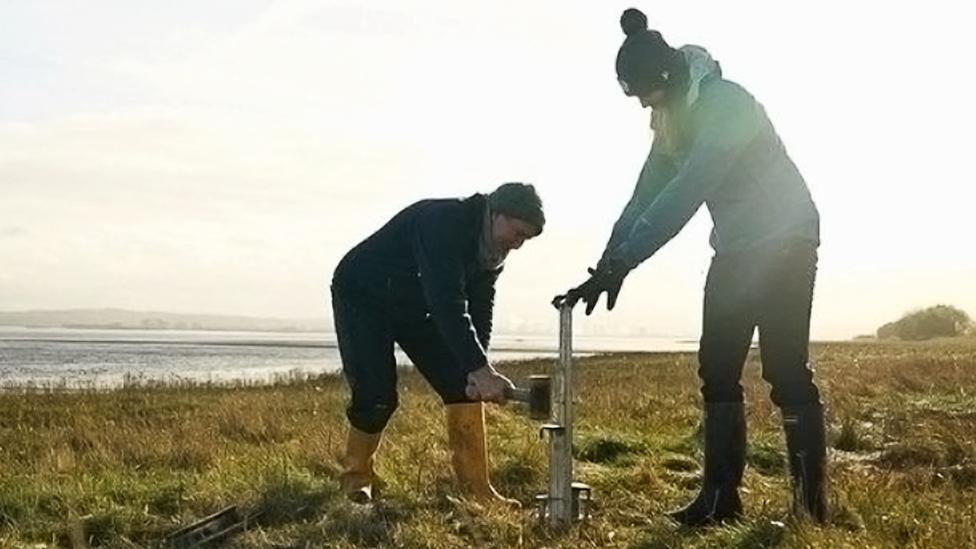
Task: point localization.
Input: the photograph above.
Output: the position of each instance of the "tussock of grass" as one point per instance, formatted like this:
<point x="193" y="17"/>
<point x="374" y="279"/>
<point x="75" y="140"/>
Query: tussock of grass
<point x="123" y="468"/>
<point x="963" y="476"/>
<point x="908" y="456"/>
<point x="606" y="448"/>
<point x="854" y="437"/>
<point x="680" y="464"/>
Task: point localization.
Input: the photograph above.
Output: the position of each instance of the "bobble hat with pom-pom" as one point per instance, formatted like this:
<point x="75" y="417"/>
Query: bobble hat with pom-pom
<point x="645" y="62"/>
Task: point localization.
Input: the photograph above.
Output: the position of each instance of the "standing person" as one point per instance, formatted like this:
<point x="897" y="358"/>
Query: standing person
<point x="714" y="144"/>
<point x="426" y="281"/>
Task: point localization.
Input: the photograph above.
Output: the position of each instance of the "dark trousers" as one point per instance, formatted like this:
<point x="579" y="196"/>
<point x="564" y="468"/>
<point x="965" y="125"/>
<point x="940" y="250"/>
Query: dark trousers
<point x="772" y="289"/>
<point x="366" y="330"/>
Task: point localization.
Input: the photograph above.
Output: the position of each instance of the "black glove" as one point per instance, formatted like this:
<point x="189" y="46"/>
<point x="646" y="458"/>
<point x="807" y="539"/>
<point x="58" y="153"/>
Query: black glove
<point x="608" y="277"/>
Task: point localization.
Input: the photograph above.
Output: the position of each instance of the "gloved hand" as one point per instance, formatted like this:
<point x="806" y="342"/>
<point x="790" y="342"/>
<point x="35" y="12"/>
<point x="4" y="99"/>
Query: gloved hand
<point x="487" y="384"/>
<point x="607" y="277"/>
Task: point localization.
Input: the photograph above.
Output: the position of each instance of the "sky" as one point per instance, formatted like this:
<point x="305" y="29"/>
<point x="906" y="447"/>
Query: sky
<point x="221" y="157"/>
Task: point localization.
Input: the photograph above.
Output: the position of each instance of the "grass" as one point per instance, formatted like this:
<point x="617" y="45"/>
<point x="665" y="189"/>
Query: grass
<point x="122" y="468"/>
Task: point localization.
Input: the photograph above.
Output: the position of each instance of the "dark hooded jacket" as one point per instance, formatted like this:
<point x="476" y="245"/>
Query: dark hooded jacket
<point x="424" y="263"/>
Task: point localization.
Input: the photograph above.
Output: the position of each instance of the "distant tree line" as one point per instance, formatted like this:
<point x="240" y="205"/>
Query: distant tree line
<point x="937" y="321"/>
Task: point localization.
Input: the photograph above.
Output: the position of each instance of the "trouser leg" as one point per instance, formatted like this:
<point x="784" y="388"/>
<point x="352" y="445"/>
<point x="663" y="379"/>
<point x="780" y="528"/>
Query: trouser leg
<point x="727" y="328"/>
<point x="368" y="365"/>
<point x="425" y="346"/>
<point x="784" y="326"/>
<point x="365" y="338"/>
<point x="784" y="339"/>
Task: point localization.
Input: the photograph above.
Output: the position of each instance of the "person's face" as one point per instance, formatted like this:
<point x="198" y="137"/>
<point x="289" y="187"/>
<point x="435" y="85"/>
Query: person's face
<point x="508" y="233"/>
<point x="652" y="98"/>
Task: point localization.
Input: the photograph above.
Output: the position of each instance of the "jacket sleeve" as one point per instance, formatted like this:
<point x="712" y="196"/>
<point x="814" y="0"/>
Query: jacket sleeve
<point x="439" y="254"/>
<point x="728" y="123"/>
<point x="657" y="172"/>
<point x="481" y="303"/>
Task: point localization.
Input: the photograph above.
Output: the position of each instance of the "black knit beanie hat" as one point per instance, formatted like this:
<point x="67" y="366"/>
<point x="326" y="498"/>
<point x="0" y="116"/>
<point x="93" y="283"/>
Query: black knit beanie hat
<point x="518" y="200"/>
<point x="645" y="62"/>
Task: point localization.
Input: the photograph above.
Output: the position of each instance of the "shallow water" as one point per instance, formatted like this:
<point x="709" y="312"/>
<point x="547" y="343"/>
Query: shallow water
<point x="111" y="358"/>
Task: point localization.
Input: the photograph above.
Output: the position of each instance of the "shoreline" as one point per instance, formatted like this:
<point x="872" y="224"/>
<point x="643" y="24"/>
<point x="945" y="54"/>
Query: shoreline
<point x="322" y="345"/>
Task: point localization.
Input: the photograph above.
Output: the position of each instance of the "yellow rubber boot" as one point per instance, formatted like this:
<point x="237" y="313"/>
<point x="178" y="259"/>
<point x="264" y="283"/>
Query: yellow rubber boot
<point x="469" y="451"/>
<point x="357" y="465"/>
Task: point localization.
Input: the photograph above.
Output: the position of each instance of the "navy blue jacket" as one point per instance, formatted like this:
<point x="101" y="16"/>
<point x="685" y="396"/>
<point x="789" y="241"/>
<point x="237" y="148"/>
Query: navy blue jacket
<point x="424" y="261"/>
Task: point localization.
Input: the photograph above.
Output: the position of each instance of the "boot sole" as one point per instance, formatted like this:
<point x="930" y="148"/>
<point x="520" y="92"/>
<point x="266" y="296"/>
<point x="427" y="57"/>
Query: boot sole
<point x="706" y="522"/>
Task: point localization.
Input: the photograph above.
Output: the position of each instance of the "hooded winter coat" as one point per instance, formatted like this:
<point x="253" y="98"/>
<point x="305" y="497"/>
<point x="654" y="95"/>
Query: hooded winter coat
<point x="720" y="150"/>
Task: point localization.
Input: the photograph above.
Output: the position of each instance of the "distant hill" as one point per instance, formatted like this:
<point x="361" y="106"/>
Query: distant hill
<point x="155" y="320"/>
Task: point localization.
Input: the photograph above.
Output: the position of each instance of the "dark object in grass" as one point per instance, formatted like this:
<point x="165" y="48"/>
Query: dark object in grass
<point x="210" y="530"/>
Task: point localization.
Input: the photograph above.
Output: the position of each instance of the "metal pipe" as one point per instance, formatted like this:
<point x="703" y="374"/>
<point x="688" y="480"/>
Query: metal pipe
<point x="566" y="501"/>
<point x="560" y="512"/>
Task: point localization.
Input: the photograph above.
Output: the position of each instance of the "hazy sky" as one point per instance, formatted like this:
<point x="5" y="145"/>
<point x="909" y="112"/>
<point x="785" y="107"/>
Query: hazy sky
<point x="220" y="157"/>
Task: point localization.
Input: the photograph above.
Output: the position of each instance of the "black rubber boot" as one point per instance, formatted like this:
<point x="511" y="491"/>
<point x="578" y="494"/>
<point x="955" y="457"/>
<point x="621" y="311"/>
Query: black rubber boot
<point x="807" y="449"/>
<point x="725" y="460"/>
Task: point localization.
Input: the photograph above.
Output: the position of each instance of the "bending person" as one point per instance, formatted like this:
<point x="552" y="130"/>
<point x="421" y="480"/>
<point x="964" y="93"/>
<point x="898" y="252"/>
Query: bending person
<point x="426" y="281"/>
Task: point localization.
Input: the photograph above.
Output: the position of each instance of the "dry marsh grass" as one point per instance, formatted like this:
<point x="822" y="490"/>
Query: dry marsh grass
<point x="122" y="468"/>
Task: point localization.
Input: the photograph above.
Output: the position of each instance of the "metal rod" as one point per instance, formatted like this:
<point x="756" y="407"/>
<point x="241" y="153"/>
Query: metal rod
<point x="560" y="512"/>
